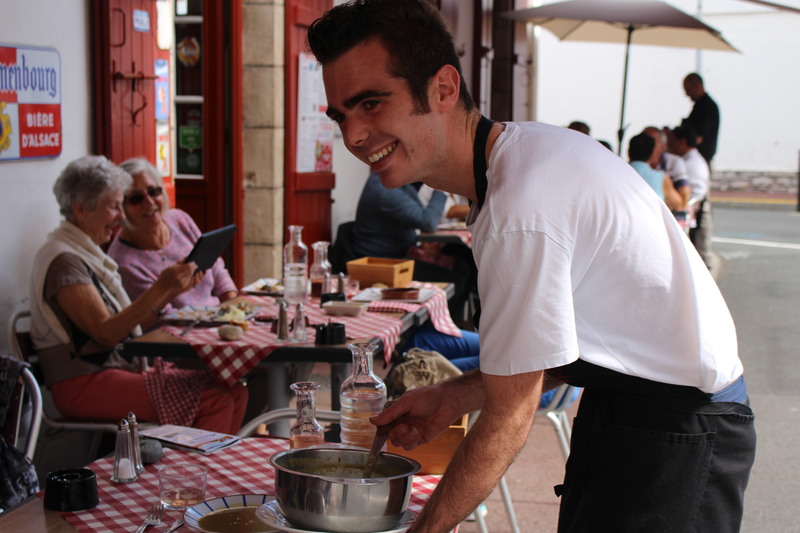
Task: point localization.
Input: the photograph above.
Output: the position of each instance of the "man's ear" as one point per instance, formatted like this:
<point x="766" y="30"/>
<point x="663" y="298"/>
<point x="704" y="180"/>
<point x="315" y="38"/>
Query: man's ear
<point x="446" y="87"/>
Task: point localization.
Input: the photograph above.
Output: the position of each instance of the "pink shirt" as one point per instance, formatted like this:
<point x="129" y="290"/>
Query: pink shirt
<point x="140" y="268"/>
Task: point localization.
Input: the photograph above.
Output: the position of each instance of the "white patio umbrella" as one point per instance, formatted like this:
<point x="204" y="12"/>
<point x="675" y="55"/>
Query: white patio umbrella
<point x="623" y="21"/>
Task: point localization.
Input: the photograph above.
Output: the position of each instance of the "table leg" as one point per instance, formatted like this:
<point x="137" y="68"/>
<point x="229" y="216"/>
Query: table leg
<point x="339" y="372"/>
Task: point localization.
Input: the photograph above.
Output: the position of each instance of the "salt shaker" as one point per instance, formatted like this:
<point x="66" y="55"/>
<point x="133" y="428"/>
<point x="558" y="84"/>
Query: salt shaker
<point x="283" y="321"/>
<point x="124" y="468"/>
<point x="299" y="324"/>
<point x="133" y="425"/>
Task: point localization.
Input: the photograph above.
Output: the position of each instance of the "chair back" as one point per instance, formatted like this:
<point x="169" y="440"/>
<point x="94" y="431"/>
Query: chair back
<point x="24" y="416"/>
<point x="19" y="340"/>
<point x="556" y="413"/>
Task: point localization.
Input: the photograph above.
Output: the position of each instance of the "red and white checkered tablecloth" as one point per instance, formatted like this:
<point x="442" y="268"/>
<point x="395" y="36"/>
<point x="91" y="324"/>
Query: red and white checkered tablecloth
<point x="240" y="469"/>
<point x="231" y="360"/>
<point x="436" y="306"/>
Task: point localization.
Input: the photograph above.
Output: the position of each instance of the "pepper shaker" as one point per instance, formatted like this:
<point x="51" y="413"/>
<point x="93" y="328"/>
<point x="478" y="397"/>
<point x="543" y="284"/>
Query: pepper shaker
<point x="283" y="321"/>
<point x="124" y="468"/>
<point x="133" y="426"/>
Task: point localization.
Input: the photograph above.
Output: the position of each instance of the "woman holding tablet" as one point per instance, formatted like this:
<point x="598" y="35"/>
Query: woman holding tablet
<point x="80" y="312"/>
<point x="154" y="236"/>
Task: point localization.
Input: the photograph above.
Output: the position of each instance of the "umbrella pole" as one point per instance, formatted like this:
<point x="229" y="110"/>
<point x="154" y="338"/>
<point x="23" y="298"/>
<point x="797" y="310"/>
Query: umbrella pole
<point x="621" y="131"/>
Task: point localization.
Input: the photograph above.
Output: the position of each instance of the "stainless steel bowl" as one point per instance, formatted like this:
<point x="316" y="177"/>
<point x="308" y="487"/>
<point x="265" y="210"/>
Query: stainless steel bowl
<point x="321" y="489"/>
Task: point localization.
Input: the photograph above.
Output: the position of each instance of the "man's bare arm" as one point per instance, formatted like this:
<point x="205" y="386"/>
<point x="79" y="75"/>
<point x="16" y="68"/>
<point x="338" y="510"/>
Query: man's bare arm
<point x="491" y="445"/>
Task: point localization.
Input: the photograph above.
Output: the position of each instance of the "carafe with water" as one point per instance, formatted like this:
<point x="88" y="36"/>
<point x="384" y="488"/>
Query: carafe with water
<point x="295" y="267"/>
<point x="362" y="396"/>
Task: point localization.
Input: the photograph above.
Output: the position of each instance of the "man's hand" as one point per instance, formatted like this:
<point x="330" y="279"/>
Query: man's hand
<point x="421" y="414"/>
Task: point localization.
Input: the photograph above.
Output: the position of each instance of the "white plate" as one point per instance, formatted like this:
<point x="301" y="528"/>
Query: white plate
<point x="193" y="514"/>
<point x="265" y="286"/>
<point x="371" y="294"/>
<point x="334" y="308"/>
<point x="208" y="315"/>
<point x="271" y="514"/>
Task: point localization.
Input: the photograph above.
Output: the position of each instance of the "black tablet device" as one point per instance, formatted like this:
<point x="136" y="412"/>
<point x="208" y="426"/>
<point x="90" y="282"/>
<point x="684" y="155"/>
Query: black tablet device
<point x="209" y="246"/>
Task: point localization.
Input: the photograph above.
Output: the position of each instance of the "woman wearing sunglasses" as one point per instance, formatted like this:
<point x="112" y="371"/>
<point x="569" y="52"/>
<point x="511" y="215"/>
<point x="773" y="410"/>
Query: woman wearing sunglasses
<point x="80" y="312"/>
<point x="154" y="236"/>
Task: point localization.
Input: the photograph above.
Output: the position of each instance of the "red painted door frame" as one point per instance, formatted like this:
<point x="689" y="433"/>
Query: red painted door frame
<point x="119" y="54"/>
<point x="307" y="198"/>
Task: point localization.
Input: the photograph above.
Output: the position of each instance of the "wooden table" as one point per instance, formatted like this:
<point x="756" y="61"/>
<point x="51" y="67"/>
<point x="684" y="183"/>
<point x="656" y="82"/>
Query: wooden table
<point x="240" y="469"/>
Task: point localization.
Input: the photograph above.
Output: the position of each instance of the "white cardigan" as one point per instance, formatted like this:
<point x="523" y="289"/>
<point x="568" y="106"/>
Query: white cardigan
<point x="46" y="330"/>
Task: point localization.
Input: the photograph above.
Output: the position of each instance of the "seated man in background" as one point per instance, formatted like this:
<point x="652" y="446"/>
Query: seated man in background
<point x="671" y="164"/>
<point x="387" y="221"/>
<point x="643" y="158"/>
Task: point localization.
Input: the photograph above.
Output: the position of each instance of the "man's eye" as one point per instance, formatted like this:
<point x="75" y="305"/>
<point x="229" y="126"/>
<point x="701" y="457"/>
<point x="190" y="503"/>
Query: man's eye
<point x="369" y="105"/>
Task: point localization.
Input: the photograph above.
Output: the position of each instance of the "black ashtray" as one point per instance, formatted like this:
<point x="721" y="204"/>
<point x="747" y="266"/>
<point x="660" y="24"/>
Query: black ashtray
<point x="71" y="489"/>
<point x="330" y="333"/>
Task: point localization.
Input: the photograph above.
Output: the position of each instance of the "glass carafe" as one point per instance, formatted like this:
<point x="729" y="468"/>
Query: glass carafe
<point x="295" y="267"/>
<point x="306" y="431"/>
<point x="362" y="396"/>
<point x="319" y="267"/>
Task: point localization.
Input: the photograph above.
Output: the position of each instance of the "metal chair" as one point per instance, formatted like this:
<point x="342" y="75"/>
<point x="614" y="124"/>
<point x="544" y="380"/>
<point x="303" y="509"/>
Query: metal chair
<point x="556" y="413"/>
<point x="22" y="347"/>
<point x="22" y="423"/>
<point x="333" y="416"/>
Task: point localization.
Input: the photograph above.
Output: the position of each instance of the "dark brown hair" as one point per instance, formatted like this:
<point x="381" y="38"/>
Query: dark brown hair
<point x="412" y="31"/>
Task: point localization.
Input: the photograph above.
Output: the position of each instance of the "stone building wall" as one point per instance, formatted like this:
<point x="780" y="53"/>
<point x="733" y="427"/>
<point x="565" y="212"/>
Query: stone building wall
<point x="755" y="182"/>
<point x="264" y="130"/>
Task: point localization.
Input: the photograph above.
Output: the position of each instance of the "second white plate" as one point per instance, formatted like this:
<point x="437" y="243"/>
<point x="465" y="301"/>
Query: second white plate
<point x="270" y="513"/>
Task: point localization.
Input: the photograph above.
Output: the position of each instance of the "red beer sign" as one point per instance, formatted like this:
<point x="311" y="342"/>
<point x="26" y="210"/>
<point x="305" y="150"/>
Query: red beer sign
<point x="30" y="103"/>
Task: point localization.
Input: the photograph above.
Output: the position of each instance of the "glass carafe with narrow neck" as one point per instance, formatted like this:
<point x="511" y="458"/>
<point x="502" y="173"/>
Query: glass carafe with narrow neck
<point x="295" y="267"/>
<point x="306" y="431"/>
<point x="319" y="267"/>
<point x="362" y="396"/>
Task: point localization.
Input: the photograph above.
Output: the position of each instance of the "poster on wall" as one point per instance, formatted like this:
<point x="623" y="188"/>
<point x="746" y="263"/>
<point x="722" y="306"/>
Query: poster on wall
<point x="314" y="128"/>
<point x="161" y="71"/>
<point x="30" y="103"/>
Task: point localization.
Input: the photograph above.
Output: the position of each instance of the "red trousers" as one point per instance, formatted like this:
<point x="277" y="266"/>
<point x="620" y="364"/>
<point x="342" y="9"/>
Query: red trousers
<point x="112" y="393"/>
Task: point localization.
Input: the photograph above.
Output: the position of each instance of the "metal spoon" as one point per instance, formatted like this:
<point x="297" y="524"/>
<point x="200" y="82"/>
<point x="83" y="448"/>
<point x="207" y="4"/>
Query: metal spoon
<point x="377" y="444"/>
<point x="380" y="439"/>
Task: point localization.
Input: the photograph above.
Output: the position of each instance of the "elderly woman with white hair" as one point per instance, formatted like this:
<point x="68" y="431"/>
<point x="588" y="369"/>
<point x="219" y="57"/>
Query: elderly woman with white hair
<point x="80" y="312"/>
<point x="154" y="236"/>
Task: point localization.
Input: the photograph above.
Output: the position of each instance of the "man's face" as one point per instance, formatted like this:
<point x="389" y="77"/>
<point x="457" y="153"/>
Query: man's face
<point x="377" y="115"/>
<point x="692" y="89"/>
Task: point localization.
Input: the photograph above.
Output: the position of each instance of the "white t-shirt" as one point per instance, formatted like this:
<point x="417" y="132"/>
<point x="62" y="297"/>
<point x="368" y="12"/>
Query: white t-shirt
<point x="699" y="173"/>
<point x="578" y="257"/>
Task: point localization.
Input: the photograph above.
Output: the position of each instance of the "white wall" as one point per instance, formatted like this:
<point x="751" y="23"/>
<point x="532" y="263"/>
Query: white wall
<point x="756" y="90"/>
<point x="28" y="211"/>
<point x="351" y="174"/>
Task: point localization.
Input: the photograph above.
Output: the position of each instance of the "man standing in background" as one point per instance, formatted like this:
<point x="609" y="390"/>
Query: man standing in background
<point x="704" y="117"/>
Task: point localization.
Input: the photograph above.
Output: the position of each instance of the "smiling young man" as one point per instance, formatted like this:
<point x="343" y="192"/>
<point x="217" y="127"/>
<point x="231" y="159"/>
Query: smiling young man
<point x="583" y="273"/>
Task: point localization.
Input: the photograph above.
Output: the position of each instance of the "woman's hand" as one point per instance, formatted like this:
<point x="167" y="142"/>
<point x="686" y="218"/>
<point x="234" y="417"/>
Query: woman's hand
<point x="177" y="279"/>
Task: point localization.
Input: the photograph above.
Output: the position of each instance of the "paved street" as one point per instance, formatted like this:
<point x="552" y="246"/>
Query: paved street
<point x="759" y="275"/>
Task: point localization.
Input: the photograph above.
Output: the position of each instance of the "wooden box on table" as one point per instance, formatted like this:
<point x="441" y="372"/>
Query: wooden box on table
<point x="371" y="270"/>
<point x="435" y="455"/>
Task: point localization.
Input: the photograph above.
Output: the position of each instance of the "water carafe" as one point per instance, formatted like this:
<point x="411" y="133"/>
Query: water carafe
<point x="306" y="431"/>
<point x="362" y="396"/>
<point x="295" y="267"/>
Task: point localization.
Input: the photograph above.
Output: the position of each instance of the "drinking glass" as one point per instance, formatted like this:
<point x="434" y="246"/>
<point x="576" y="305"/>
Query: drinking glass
<point x="182" y="485"/>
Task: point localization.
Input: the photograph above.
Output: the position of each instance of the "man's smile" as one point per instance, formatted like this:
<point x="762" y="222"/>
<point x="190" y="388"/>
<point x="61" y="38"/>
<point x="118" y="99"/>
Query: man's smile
<point x="377" y="156"/>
